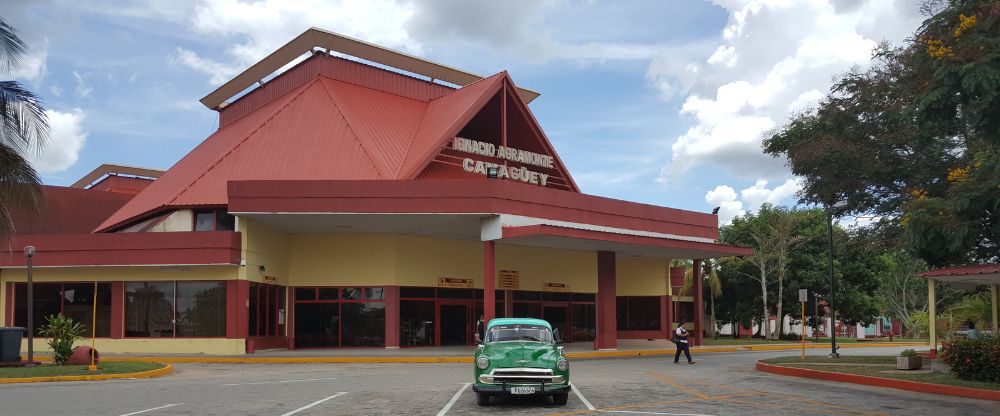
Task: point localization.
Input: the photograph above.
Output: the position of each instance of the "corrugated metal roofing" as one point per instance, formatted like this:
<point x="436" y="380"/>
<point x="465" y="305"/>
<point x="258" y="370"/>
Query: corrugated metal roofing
<point x="68" y="210"/>
<point x="964" y="270"/>
<point x="325" y="129"/>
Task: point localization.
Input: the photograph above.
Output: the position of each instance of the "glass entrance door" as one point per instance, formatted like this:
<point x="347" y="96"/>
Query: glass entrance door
<point x="558" y="317"/>
<point x="454" y="324"/>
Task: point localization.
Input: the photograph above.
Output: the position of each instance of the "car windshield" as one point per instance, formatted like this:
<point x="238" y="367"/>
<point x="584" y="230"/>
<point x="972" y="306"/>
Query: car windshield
<point x="519" y="332"/>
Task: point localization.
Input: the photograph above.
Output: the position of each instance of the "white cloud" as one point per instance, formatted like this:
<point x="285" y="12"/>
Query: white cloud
<point x="66" y="139"/>
<point x="750" y="199"/>
<point x="82" y="89"/>
<point x="55" y="89"/>
<point x="724" y="197"/>
<point x="33" y="66"/>
<point x="262" y="27"/>
<point x="772" y="58"/>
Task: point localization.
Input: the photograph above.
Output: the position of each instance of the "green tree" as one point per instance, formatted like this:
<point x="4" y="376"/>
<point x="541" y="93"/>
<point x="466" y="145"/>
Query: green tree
<point x="914" y="137"/>
<point x="901" y="291"/>
<point x="23" y="129"/>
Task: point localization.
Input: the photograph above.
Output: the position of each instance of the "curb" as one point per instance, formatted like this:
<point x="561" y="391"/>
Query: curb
<point x="580" y="355"/>
<point x="916" y="386"/>
<point x="167" y="369"/>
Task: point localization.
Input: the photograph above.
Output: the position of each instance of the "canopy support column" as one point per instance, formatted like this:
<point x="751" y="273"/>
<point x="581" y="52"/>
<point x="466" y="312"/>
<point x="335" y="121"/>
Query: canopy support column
<point x="699" y="303"/>
<point x="932" y="315"/>
<point x="489" y="281"/>
<point x="607" y="323"/>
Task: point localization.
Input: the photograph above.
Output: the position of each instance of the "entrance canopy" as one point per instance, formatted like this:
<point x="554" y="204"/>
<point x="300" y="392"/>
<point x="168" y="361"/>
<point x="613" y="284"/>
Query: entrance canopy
<point x="478" y="210"/>
<point x="965" y="277"/>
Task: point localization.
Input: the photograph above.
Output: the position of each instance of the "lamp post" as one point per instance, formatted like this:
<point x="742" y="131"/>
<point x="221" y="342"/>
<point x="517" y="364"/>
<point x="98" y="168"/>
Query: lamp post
<point x="833" y="280"/>
<point x="29" y="252"/>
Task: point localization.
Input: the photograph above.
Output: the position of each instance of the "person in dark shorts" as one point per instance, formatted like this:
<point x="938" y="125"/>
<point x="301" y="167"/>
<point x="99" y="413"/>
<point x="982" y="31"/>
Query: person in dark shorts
<point x="680" y="338"/>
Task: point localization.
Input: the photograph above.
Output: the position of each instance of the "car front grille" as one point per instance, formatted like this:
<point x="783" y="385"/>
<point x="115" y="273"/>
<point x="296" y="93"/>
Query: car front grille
<point x="521" y="376"/>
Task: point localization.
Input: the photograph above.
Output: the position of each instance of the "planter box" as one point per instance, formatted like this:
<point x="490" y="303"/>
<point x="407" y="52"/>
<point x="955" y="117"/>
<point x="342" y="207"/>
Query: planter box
<point x="909" y="363"/>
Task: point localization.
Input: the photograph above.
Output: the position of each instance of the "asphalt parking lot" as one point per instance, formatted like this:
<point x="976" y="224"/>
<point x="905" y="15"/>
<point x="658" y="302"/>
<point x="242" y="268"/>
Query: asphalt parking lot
<point x="718" y="384"/>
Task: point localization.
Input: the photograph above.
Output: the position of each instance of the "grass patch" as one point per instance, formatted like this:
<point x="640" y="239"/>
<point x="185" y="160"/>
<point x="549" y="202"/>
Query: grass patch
<point x="844" y="359"/>
<point x="817" y="363"/>
<point x="822" y="340"/>
<point x="48" y="370"/>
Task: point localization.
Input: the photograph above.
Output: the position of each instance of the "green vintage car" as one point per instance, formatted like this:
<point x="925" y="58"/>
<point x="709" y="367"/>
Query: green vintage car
<point x="521" y="356"/>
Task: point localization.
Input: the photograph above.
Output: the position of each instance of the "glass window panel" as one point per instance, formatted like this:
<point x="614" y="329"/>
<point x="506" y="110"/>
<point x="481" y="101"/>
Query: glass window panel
<point x="201" y="309"/>
<point x="583" y="297"/>
<point x="224" y="221"/>
<point x="317" y="325"/>
<point x="621" y="313"/>
<point x="204" y="220"/>
<point x="527" y="310"/>
<point x="305" y="293"/>
<point x="526" y="295"/>
<point x="584" y="322"/>
<point x="455" y="293"/>
<point x="149" y="309"/>
<point x="254" y="315"/>
<point x="282" y="310"/>
<point x="685" y="312"/>
<point x="272" y="310"/>
<point x="556" y="296"/>
<point x="416" y="323"/>
<point x="47" y="301"/>
<point x="416" y="292"/>
<point x="364" y="324"/>
<point x="500" y="294"/>
<point x="78" y="304"/>
<point x="352" y="293"/>
<point x="644" y="313"/>
<point x="329" y="293"/>
<point x="374" y="293"/>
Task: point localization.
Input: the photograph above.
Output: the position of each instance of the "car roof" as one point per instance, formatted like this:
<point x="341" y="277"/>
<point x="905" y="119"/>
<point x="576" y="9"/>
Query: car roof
<point x="521" y="321"/>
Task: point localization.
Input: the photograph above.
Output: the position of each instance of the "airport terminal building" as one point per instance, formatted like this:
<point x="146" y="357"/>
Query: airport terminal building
<point x="361" y="198"/>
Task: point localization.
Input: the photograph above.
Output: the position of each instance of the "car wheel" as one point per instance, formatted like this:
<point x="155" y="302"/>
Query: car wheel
<point x="560" y="399"/>
<point x="482" y="399"/>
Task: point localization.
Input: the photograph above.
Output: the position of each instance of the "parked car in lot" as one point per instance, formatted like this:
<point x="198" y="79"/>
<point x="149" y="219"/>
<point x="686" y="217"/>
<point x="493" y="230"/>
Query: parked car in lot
<point x="521" y="357"/>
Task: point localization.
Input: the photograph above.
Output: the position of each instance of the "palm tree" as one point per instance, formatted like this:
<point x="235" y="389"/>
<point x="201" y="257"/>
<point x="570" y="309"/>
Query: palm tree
<point x="23" y="129"/>
<point x="714" y="288"/>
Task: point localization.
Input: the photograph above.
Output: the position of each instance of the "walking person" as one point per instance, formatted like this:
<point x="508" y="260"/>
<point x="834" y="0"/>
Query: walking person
<point x="481" y="330"/>
<point x="680" y="338"/>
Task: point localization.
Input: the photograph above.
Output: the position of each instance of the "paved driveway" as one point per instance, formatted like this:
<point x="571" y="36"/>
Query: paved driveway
<point x="718" y="384"/>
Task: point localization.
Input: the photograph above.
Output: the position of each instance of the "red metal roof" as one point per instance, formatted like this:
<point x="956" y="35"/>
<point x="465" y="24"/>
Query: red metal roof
<point x="964" y="270"/>
<point x="122" y="184"/>
<point x="69" y="210"/>
<point x="325" y="129"/>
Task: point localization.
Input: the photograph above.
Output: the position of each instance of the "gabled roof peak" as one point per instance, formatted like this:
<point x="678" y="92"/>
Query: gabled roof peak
<point x="335" y="42"/>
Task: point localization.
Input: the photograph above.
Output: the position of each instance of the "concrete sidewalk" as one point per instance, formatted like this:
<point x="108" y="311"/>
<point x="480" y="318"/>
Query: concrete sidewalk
<point x="462" y="354"/>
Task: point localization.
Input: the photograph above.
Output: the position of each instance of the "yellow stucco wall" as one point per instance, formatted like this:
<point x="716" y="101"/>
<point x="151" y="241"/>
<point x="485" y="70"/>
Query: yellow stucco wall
<point x="642" y="277"/>
<point x="537" y="266"/>
<point x="210" y="346"/>
<point x="339" y="260"/>
<point x="421" y="261"/>
<point x="264" y="246"/>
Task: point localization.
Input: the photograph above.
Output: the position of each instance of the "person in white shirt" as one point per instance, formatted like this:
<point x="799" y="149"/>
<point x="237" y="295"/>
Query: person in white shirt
<point x="680" y="338"/>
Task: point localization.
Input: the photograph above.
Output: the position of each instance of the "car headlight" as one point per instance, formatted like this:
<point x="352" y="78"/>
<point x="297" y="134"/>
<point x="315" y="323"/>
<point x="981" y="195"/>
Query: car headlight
<point x="482" y="363"/>
<point x="562" y="364"/>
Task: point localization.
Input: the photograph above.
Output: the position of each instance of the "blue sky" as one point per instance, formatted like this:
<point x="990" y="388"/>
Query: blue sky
<point x="663" y="102"/>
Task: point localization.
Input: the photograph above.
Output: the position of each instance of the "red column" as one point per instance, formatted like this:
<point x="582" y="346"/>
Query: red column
<point x="489" y="281"/>
<point x="237" y="296"/>
<point x="607" y="325"/>
<point x="117" y="310"/>
<point x="391" y="294"/>
<point x="508" y="303"/>
<point x="699" y="304"/>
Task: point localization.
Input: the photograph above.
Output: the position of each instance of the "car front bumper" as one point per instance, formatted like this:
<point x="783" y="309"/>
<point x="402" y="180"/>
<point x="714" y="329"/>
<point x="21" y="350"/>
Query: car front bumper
<point x="540" y="388"/>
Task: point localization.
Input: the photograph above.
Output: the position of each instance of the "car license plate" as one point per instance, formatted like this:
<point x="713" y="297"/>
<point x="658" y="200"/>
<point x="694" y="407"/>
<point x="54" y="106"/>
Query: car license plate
<point x="522" y="390"/>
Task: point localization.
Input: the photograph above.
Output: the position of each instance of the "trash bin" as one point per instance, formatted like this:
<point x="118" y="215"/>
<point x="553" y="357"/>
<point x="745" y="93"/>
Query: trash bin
<point x="10" y="344"/>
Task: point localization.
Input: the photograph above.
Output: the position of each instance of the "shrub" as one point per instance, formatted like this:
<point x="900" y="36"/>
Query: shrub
<point x="62" y="332"/>
<point x="975" y="359"/>
<point x="909" y="353"/>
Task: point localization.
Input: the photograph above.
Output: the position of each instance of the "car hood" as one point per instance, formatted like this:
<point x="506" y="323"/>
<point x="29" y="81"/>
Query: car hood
<point x="522" y="354"/>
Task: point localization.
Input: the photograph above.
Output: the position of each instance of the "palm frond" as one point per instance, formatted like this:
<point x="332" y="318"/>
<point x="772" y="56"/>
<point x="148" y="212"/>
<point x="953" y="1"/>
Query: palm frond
<point x="23" y="123"/>
<point x="20" y="189"/>
<point x="12" y="48"/>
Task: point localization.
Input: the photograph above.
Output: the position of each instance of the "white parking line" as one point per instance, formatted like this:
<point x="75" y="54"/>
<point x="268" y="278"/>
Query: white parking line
<point x="155" y="408"/>
<point x="313" y="404"/>
<point x="280" y="381"/>
<point x="652" y="413"/>
<point x="582" y="399"/>
<point x="454" y="399"/>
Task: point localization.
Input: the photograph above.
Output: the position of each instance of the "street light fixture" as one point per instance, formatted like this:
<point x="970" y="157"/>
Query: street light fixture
<point x="833" y="280"/>
<point x="29" y="252"/>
